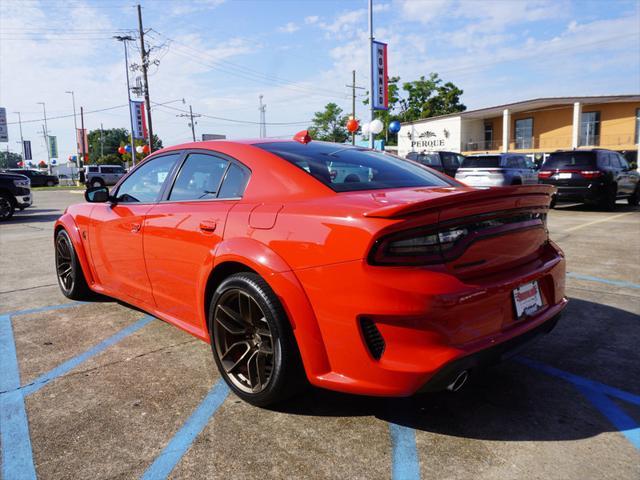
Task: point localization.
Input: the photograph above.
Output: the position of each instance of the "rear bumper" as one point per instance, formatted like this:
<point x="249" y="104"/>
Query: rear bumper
<point x="428" y="320"/>
<point x="591" y="192"/>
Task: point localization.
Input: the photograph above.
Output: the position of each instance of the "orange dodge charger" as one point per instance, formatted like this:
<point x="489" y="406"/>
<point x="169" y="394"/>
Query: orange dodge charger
<point x="359" y="271"/>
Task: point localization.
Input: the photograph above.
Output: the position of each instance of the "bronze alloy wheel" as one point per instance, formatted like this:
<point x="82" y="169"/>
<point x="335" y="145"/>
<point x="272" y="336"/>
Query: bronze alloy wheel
<point x="243" y="341"/>
<point x="64" y="263"/>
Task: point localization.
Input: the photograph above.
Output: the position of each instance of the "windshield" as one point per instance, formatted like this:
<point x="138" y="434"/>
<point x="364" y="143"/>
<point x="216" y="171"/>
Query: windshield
<point x="345" y="168"/>
<point x="486" y="161"/>
<point x="570" y="160"/>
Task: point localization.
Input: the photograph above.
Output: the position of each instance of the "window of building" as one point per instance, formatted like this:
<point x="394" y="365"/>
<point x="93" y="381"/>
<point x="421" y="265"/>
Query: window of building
<point x="590" y="129"/>
<point x="524" y="133"/>
<point x="488" y="135"/>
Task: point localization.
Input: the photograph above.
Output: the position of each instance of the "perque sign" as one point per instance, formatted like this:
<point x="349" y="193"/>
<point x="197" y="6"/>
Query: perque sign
<point x="380" y="78"/>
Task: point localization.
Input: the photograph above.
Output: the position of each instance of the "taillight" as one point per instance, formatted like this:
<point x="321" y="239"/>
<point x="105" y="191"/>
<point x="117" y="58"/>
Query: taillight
<point x="432" y="245"/>
<point x="590" y="174"/>
<point x="545" y="174"/>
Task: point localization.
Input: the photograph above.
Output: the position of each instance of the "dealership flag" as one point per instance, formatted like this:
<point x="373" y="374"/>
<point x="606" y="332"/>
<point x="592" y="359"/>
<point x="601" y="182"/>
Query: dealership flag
<point x="380" y="78"/>
<point x="138" y="119"/>
<point x="53" y="146"/>
<point x="27" y="150"/>
<point x="4" y="132"/>
<point x="83" y="141"/>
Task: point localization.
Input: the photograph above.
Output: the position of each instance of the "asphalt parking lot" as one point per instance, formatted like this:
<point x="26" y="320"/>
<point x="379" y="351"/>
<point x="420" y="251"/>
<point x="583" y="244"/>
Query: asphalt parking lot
<point x="101" y="390"/>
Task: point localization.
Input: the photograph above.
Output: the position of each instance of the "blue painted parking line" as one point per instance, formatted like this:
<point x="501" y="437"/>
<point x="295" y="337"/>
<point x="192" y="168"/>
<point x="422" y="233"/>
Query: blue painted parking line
<point x="44" y="309"/>
<point x="598" y="394"/>
<point x="405" y="464"/>
<point x="72" y="363"/>
<point x="589" y="278"/>
<point x="15" y="442"/>
<point x="182" y="440"/>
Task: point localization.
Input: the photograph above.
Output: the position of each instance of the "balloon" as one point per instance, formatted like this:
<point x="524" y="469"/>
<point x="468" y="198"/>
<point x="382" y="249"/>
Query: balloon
<point x="376" y="126"/>
<point x="352" y="125"/>
<point x="121" y="150"/>
<point x="365" y="128"/>
<point x="394" y="127"/>
<point x="127" y="148"/>
<point x="139" y="149"/>
<point x="145" y="149"/>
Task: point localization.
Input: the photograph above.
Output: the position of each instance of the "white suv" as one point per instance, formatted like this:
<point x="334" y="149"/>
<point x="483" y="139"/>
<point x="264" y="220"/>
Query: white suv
<point x="103" y="175"/>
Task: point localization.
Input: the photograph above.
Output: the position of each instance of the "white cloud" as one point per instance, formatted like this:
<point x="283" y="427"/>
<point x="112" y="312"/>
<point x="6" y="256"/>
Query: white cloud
<point x="289" y="28"/>
<point x="345" y="22"/>
<point x="311" y="19"/>
<point x="185" y="7"/>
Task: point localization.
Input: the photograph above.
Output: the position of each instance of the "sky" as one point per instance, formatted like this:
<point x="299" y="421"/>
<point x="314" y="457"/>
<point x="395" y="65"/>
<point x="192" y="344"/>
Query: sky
<point x="220" y="55"/>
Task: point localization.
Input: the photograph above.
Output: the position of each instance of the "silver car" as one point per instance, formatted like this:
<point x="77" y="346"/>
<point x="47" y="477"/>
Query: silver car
<point x="103" y="175"/>
<point x="496" y="170"/>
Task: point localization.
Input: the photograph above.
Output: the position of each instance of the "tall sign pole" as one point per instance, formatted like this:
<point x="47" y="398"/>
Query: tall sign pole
<point x="145" y="63"/>
<point x="46" y="138"/>
<point x="24" y="160"/>
<point x="371" y="72"/>
<point x="124" y="39"/>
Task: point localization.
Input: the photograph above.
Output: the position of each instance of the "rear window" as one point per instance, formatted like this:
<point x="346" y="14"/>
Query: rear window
<point x="486" y="161"/>
<point x="345" y="168"/>
<point x="570" y="160"/>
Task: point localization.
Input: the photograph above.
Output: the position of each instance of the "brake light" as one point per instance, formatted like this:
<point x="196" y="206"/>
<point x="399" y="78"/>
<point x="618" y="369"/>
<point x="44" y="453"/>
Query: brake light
<point x="591" y="173"/>
<point x="545" y="174"/>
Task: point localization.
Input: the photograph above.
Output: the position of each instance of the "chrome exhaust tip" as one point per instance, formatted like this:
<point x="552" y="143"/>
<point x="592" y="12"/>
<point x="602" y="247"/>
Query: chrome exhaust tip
<point x="459" y="381"/>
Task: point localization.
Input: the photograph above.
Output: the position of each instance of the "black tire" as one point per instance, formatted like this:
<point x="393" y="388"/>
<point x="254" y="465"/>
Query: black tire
<point x="50" y="183"/>
<point x="610" y="197"/>
<point x="516" y="181"/>
<point x="96" y="182"/>
<point x="285" y="371"/>
<point x="634" y="200"/>
<point x="68" y="270"/>
<point x="7" y="206"/>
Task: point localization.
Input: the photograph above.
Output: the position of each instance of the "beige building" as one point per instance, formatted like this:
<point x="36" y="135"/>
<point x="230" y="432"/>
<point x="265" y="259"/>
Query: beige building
<point x="533" y="127"/>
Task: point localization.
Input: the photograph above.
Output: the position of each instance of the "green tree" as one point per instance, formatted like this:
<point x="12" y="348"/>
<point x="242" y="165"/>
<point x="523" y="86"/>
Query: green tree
<point x="429" y="98"/>
<point x="104" y="145"/>
<point x="9" y="159"/>
<point x="329" y="125"/>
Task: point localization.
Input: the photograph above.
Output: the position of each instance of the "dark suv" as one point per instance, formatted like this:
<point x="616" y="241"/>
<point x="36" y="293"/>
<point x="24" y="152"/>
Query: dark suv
<point x="15" y="192"/>
<point x="445" y="162"/>
<point x="591" y="176"/>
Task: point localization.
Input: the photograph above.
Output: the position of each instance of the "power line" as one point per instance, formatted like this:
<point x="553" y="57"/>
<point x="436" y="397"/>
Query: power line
<point x="69" y="115"/>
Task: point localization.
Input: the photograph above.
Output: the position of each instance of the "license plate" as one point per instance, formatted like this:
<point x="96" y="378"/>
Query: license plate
<point x="564" y="175"/>
<point x="527" y="299"/>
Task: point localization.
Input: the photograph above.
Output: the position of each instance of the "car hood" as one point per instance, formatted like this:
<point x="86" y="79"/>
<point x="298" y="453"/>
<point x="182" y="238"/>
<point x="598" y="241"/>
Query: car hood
<point x="13" y="176"/>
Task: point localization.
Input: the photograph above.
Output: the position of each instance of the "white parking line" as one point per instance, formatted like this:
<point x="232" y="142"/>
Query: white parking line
<point x="588" y="224"/>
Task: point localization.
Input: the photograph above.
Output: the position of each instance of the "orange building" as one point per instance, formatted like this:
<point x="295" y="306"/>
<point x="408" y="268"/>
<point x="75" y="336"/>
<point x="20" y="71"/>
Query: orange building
<point x="535" y="127"/>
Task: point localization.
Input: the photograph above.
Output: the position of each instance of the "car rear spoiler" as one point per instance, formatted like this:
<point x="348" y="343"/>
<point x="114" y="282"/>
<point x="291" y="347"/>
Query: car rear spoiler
<point x="519" y="196"/>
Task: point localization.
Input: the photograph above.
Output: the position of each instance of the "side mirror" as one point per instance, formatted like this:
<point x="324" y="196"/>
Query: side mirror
<point x="97" y="195"/>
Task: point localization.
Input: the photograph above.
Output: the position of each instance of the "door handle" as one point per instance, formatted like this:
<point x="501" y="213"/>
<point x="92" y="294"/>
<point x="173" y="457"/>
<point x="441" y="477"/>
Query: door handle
<point x="135" y="227"/>
<point x="208" y="226"/>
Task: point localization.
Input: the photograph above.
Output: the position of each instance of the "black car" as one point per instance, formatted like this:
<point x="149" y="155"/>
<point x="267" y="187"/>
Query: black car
<point x="445" y="162"/>
<point x="596" y="176"/>
<point x="15" y="192"/>
<point x="38" y="179"/>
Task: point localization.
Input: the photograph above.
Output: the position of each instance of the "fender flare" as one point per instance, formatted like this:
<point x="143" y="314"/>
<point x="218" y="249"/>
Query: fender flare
<point x="285" y="284"/>
<point x="67" y="223"/>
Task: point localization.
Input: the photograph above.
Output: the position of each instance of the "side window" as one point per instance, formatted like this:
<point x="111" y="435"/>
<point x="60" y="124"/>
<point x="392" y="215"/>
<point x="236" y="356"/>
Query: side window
<point x="460" y="159"/>
<point x="623" y="161"/>
<point x="604" y="160"/>
<point x="512" y="162"/>
<point x="613" y="158"/>
<point x="448" y="159"/>
<point x="145" y="182"/>
<point x="199" y="178"/>
<point x="234" y="182"/>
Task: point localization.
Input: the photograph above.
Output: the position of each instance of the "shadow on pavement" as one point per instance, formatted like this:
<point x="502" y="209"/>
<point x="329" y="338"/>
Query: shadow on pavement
<point x="34" y="216"/>
<point x="511" y="401"/>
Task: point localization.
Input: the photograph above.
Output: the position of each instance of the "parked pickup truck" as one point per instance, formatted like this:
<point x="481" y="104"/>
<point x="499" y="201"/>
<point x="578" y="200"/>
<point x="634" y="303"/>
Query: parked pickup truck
<point x="15" y="192"/>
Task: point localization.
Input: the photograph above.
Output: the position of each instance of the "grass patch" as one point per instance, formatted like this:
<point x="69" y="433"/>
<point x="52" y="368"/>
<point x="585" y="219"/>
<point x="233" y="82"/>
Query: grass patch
<point x="60" y="187"/>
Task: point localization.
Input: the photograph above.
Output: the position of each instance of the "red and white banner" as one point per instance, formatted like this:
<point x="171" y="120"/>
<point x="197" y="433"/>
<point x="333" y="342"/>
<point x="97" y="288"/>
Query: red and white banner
<point x="83" y="140"/>
<point x="380" y="77"/>
<point x="138" y="119"/>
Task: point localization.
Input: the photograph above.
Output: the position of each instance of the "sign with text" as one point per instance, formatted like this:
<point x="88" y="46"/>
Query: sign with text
<point x="138" y="119"/>
<point x="53" y="146"/>
<point x="27" y="150"/>
<point x="4" y="132"/>
<point x="380" y="78"/>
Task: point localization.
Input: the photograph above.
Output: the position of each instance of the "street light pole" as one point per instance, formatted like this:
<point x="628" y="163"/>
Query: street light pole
<point x="46" y="137"/>
<point x="75" y="126"/>
<point x="124" y="39"/>
<point x="371" y="135"/>
<point x="24" y="161"/>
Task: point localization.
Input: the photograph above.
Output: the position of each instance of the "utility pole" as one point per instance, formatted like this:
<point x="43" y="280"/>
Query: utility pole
<point x="24" y="160"/>
<point x="191" y="116"/>
<point x="46" y="137"/>
<point x="75" y="126"/>
<point x="124" y="39"/>
<point x="353" y="87"/>
<point x="145" y="64"/>
<point x="371" y="135"/>
<point x="101" y="141"/>
<point x="263" y="123"/>
<point x="84" y="146"/>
